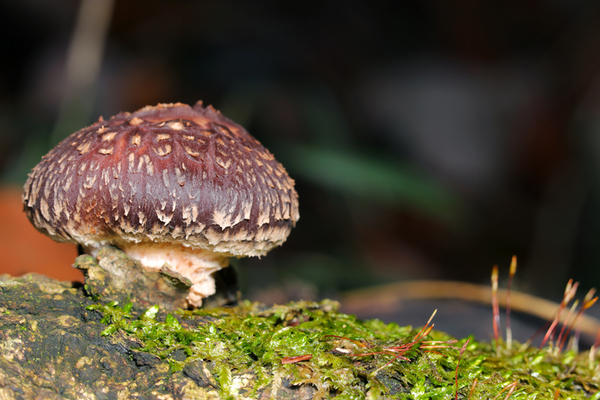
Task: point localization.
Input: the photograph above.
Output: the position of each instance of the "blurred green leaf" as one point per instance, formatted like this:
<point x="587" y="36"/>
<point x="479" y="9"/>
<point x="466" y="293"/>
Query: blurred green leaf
<point x="374" y="179"/>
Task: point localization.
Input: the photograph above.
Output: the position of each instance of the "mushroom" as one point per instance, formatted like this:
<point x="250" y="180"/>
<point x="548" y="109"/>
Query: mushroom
<point x="170" y="184"/>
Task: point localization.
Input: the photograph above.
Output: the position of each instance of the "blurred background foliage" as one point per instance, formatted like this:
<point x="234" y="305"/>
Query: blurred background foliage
<point x="428" y="139"/>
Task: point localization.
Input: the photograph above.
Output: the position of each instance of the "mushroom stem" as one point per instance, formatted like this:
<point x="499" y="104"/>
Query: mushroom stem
<point x="197" y="265"/>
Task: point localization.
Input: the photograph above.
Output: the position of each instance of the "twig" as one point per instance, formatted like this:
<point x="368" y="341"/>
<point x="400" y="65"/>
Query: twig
<point x="388" y="298"/>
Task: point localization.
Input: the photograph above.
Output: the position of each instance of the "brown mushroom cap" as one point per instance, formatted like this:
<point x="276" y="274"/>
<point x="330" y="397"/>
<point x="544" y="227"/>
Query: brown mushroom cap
<point x="168" y="174"/>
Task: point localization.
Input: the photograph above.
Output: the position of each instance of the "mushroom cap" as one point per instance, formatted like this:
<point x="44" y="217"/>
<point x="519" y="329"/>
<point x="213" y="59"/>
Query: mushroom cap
<point x="169" y="174"/>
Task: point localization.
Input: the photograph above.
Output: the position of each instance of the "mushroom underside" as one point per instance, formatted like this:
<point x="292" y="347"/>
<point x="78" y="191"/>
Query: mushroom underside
<point x="198" y="265"/>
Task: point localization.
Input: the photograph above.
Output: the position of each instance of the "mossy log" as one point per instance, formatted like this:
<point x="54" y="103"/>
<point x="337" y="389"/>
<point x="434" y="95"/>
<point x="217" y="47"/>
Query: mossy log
<point x="51" y="343"/>
<point x="110" y="340"/>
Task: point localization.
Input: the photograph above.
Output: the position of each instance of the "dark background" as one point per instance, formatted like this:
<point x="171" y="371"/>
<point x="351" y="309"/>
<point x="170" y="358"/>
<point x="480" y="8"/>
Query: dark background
<point x="428" y="139"/>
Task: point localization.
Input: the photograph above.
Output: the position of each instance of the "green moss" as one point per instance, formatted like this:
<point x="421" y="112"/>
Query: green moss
<point x="255" y="339"/>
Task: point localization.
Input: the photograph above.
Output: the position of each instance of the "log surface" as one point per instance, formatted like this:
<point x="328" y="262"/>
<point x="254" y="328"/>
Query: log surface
<point x="51" y="347"/>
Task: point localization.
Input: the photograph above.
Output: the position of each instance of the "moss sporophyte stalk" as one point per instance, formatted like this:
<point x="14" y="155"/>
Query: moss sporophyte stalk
<point x="307" y="343"/>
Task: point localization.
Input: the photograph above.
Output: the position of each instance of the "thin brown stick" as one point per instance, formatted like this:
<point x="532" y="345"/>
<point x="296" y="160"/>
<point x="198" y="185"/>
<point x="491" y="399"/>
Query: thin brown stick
<point x="388" y="298"/>
<point x="84" y="61"/>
